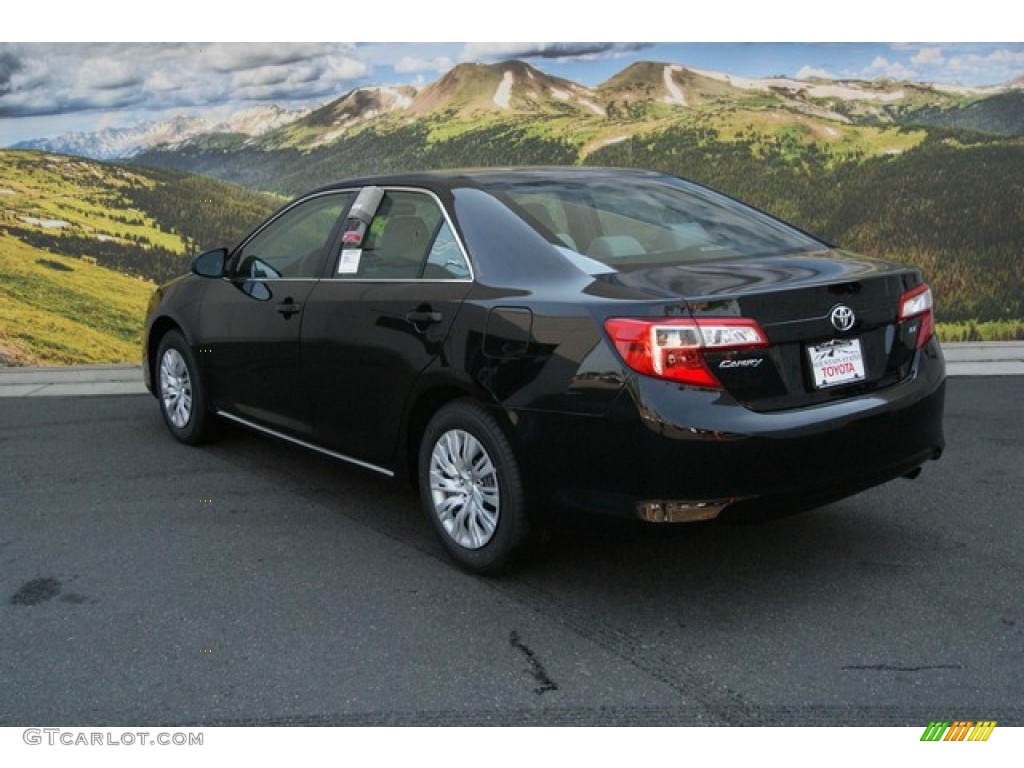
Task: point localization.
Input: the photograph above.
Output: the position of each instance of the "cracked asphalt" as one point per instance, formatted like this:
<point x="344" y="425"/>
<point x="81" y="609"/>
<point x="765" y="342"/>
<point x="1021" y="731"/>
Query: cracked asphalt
<point x="143" y="582"/>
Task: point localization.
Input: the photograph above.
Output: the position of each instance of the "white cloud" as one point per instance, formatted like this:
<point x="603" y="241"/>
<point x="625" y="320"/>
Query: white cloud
<point x="488" y="51"/>
<point x="882" y="67"/>
<point x="586" y="51"/>
<point x="231" y="57"/>
<point x="965" y="63"/>
<point x="272" y="75"/>
<point x="43" y="78"/>
<point x="345" y="67"/>
<point x="998" y="66"/>
<point x="928" y="56"/>
<point x="416" y="64"/>
<point x="999" y="58"/>
<point x="104" y="74"/>
<point x="161" y="81"/>
<point x="807" y="72"/>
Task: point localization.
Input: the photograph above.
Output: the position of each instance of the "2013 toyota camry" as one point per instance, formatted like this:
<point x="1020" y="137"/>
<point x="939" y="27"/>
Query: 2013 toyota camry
<point x="511" y="341"/>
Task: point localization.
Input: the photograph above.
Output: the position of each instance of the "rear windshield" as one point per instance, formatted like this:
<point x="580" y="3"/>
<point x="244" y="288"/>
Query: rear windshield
<point x="625" y="221"/>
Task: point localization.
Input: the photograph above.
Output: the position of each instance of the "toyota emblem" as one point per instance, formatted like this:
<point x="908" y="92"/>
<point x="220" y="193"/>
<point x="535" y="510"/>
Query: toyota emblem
<point x="842" y="317"/>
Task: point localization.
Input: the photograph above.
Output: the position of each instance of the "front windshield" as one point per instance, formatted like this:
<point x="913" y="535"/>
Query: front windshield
<point x="622" y="221"/>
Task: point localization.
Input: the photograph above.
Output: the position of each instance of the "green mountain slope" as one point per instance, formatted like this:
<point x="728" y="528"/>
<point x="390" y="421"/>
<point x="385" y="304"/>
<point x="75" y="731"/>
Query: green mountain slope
<point x="63" y="310"/>
<point x="1002" y="114"/>
<point x="82" y="242"/>
<point x="953" y="206"/>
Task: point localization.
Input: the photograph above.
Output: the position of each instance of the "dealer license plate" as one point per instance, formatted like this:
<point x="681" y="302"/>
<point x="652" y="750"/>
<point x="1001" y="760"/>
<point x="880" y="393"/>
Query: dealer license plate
<point x="837" y="362"/>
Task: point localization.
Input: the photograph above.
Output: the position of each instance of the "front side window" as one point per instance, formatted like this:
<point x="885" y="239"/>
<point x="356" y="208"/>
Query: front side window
<point x="296" y="243"/>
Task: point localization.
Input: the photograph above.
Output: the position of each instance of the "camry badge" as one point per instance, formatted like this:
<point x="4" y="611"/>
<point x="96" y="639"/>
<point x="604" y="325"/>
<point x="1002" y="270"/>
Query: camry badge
<point x="842" y="317"/>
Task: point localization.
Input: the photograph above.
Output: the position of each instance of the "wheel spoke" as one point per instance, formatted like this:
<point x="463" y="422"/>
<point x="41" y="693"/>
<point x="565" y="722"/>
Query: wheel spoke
<point x="447" y="507"/>
<point x="445" y="455"/>
<point x="488" y="498"/>
<point x="443" y="484"/>
<point x="482" y="466"/>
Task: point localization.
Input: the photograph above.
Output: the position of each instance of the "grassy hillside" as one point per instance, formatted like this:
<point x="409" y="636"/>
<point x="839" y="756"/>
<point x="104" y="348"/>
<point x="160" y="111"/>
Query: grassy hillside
<point x="82" y="243"/>
<point x="62" y="310"/>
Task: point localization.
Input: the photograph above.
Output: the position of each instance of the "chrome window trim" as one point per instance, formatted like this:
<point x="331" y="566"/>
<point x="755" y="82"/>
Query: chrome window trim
<point x="418" y="280"/>
<point x="304" y="444"/>
<point x="243" y="279"/>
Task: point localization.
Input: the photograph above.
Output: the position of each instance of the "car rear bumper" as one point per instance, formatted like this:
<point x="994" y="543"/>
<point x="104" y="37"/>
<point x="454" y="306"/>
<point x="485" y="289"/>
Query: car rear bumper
<point x="710" y="457"/>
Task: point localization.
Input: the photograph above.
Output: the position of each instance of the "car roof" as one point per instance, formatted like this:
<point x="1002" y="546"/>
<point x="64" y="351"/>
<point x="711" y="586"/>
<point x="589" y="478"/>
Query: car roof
<point x="476" y="177"/>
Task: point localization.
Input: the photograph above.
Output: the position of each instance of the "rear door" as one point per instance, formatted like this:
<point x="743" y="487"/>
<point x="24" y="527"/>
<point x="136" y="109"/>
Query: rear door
<point x="379" y="319"/>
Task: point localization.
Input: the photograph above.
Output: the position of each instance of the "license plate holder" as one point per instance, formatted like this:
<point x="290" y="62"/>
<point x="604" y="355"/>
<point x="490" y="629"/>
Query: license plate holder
<point x="836" y="362"/>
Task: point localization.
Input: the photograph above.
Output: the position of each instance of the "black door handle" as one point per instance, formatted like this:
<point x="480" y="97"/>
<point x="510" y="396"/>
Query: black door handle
<point x="423" y="317"/>
<point x="288" y="308"/>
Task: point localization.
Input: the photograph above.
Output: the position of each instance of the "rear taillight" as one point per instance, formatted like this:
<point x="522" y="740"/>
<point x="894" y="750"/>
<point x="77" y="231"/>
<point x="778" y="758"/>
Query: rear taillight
<point x="916" y="306"/>
<point x="673" y="349"/>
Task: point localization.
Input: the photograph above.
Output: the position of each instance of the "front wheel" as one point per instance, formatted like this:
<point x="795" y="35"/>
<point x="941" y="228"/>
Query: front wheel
<point x="471" y="489"/>
<point x="180" y="391"/>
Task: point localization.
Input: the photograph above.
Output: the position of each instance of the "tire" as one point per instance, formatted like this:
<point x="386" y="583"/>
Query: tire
<point x="471" y="490"/>
<point x="180" y="392"/>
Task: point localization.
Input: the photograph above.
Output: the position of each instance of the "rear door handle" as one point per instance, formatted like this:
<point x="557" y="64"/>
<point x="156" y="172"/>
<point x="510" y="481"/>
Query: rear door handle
<point x="423" y="317"/>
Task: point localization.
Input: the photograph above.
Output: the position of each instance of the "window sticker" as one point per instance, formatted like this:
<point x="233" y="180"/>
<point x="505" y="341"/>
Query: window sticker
<point x="348" y="264"/>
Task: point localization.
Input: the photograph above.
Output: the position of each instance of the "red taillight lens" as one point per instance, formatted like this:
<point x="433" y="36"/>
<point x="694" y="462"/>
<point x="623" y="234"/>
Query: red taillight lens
<point x="917" y="304"/>
<point x="673" y="349"/>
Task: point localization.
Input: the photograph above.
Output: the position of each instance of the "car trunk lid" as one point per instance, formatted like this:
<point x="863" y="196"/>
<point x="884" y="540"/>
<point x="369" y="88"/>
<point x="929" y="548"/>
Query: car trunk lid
<point x="832" y="322"/>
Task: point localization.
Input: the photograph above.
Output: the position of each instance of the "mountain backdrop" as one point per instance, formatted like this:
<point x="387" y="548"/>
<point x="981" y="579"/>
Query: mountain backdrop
<point x="926" y="174"/>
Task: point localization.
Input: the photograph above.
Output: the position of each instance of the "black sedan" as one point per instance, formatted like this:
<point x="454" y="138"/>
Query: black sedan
<point x="517" y="341"/>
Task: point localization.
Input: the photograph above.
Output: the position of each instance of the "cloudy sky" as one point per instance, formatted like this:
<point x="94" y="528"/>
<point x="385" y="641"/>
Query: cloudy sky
<point x="47" y="89"/>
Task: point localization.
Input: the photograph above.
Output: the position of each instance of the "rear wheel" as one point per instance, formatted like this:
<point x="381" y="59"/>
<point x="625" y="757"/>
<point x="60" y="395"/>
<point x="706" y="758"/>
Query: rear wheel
<point x="180" y="391"/>
<point x="471" y="489"/>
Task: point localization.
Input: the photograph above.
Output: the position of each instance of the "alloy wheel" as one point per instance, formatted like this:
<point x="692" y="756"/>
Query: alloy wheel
<point x="175" y="388"/>
<point x="464" y="489"/>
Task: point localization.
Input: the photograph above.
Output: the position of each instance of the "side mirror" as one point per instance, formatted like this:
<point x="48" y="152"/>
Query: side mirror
<point x="210" y="263"/>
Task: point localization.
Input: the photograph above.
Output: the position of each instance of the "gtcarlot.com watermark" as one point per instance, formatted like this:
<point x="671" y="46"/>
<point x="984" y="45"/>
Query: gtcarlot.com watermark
<point x="71" y="738"/>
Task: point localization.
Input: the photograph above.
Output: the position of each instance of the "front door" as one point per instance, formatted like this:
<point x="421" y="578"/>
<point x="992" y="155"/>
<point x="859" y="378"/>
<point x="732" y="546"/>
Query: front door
<point x="251" y="320"/>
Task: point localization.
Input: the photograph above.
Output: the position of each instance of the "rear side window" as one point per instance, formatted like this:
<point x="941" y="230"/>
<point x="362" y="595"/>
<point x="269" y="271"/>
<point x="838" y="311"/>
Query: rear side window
<point x="410" y="239"/>
<point x="647" y="221"/>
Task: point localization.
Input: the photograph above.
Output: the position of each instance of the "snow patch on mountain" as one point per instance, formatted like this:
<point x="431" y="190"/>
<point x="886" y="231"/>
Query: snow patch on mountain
<point x="45" y="223"/>
<point x="113" y="143"/>
<point x="675" y="93"/>
<point x="845" y="91"/>
<point x="256" y="121"/>
<point x="120" y="143"/>
<point x="970" y="90"/>
<point x="401" y="100"/>
<point x="503" y="95"/>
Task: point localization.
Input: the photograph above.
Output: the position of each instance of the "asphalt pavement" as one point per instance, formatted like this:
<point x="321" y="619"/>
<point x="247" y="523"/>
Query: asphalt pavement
<point x="144" y="582"/>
